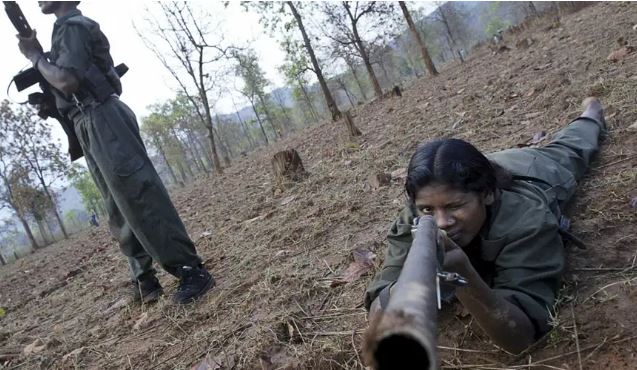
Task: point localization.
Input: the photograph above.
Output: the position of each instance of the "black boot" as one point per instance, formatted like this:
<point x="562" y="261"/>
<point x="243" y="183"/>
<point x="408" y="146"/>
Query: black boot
<point x="194" y="282"/>
<point x="147" y="289"/>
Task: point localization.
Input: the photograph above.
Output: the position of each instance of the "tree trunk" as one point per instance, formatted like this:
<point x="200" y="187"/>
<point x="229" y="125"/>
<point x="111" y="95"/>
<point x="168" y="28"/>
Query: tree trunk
<point x="2" y="260"/>
<point x="382" y="67"/>
<point x="223" y="144"/>
<point x="206" y="152"/>
<point x="363" y="52"/>
<point x="182" y="173"/>
<point x="370" y="70"/>
<point x="188" y="166"/>
<point x="50" y="229"/>
<point x="188" y="149"/>
<point x="349" y="123"/>
<point x="194" y="151"/>
<point x="421" y="45"/>
<point x="211" y="135"/>
<point x="349" y="97"/>
<point x="182" y="150"/>
<point x="358" y="81"/>
<point x="213" y="148"/>
<point x="287" y="168"/>
<point x="265" y="137"/>
<point x="309" y="101"/>
<point x="53" y="205"/>
<point x="268" y="116"/>
<point x="279" y="101"/>
<point x="246" y="132"/>
<point x="45" y="238"/>
<point x="413" y="65"/>
<point x="163" y="155"/>
<point x="454" y="48"/>
<point x="329" y="100"/>
<point x="532" y="9"/>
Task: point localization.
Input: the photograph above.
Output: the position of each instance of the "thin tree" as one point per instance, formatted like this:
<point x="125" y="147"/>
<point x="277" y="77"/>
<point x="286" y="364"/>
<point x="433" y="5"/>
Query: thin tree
<point x="42" y="157"/>
<point x="294" y="69"/>
<point x="421" y="45"/>
<point x="250" y="95"/>
<point x="345" y="19"/>
<point x="91" y="198"/>
<point x="532" y="10"/>
<point x="9" y="171"/>
<point x="243" y="124"/>
<point x="153" y="130"/>
<point x="282" y="108"/>
<point x="254" y="83"/>
<point x="272" y="14"/>
<point x="187" y="39"/>
<point x="316" y="68"/>
<point x="443" y="14"/>
<point x="31" y="202"/>
<point x="345" y="53"/>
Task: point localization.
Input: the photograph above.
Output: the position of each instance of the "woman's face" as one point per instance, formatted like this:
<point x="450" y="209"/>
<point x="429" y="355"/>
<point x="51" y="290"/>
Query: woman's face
<point x="461" y="214"/>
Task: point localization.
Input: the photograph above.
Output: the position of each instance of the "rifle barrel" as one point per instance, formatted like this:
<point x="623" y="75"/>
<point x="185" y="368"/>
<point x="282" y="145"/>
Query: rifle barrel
<point x="18" y="19"/>
<point x="404" y="335"/>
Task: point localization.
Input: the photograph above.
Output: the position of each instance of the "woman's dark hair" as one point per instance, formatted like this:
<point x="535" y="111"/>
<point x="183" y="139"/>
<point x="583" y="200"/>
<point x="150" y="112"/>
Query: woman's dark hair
<point x="455" y="163"/>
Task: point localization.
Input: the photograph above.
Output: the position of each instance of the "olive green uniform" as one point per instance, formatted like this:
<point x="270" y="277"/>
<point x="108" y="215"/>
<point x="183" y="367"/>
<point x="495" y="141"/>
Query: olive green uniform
<point x="518" y="251"/>
<point x="141" y="215"/>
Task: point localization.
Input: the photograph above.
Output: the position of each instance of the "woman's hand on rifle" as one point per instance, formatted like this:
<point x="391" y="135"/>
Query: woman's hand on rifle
<point x="455" y="259"/>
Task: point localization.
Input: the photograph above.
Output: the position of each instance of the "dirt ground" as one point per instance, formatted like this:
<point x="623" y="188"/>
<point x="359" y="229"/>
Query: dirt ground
<point x="276" y="255"/>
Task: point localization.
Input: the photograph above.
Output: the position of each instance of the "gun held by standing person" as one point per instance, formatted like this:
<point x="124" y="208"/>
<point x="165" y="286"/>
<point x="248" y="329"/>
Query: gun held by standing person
<point x="44" y="100"/>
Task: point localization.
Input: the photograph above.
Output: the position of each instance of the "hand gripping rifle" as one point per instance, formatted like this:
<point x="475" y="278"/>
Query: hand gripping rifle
<point x="45" y="100"/>
<point x="403" y="336"/>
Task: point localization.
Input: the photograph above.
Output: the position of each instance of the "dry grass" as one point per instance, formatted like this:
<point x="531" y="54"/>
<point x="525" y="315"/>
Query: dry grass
<point x="275" y="255"/>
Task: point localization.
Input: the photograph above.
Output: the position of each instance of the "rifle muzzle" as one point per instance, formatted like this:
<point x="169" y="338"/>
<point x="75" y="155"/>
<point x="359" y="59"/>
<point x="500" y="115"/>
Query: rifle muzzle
<point x="403" y="336"/>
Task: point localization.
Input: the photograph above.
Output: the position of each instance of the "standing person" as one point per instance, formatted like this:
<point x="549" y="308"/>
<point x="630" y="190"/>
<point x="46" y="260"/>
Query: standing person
<point x="501" y="216"/>
<point x="141" y="215"/>
<point x="93" y="220"/>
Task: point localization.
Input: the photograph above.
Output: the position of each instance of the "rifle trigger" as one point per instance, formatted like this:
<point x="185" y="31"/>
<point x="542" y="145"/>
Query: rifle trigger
<point x="452" y="278"/>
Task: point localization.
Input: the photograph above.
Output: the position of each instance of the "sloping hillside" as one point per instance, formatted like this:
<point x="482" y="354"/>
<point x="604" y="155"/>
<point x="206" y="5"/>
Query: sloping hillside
<point x="276" y="256"/>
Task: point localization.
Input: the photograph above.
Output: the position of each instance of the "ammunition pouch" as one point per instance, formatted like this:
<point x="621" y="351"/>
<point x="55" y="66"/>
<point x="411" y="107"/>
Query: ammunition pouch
<point x="113" y="79"/>
<point x="96" y="85"/>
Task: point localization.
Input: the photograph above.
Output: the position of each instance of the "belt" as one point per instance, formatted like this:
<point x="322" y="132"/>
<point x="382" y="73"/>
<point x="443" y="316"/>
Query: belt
<point x="83" y="105"/>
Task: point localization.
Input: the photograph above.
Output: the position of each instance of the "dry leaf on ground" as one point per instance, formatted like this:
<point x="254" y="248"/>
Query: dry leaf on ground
<point x="363" y="262"/>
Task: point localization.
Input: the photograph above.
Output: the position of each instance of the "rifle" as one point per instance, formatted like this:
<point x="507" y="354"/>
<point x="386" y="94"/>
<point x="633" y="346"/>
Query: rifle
<point x="403" y="336"/>
<point x="45" y="100"/>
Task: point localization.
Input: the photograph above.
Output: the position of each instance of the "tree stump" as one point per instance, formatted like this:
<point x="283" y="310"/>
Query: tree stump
<point x="351" y="128"/>
<point x="395" y="91"/>
<point x="379" y="180"/>
<point x="288" y="168"/>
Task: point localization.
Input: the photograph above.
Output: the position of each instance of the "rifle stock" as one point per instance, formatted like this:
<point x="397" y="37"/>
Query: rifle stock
<point x="403" y="336"/>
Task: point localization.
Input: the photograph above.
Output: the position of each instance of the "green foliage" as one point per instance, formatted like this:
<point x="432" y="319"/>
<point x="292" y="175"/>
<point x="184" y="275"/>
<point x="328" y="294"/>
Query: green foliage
<point x="495" y="22"/>
<point x="494" y="25"/>
<point x="91" y="197"/>
<point x="253" y="76"/>
<point x="29" y="200"/>
<point x="30" y="162"/>
<point x="295" y="70"/>
<point x="254" y="84"/>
